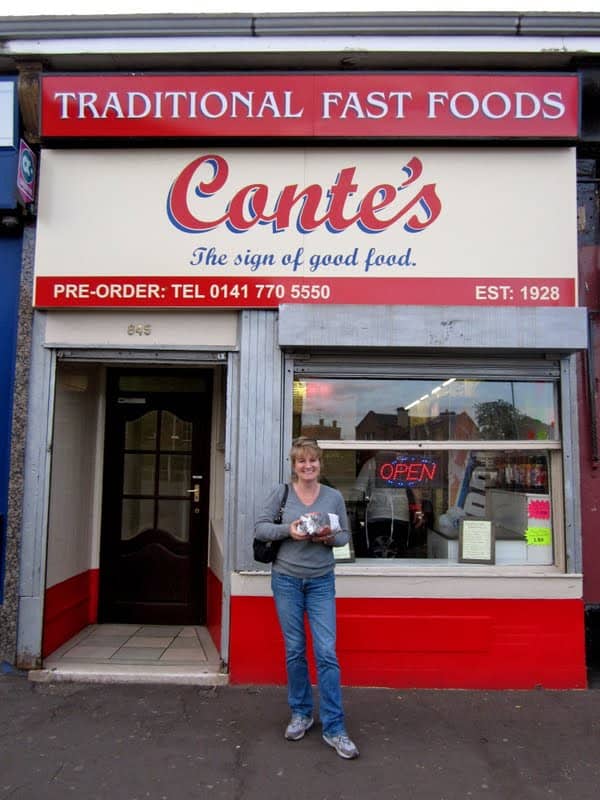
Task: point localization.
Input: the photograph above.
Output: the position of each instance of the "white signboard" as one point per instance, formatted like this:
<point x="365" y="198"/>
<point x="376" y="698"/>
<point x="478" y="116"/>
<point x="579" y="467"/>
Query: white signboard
<point x="7" y="113"/>
<point x="257" y="227"/>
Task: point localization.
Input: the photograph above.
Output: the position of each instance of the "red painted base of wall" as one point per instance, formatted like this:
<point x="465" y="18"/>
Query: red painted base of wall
<point x="69" y="606"/>
<point x="431" y="643"/>
<point x="73" y="604"/>
<point x="214" y="604"/>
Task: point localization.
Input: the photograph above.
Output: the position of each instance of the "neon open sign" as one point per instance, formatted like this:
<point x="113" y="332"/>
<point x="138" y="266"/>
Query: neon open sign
<point x="404" y="471"/>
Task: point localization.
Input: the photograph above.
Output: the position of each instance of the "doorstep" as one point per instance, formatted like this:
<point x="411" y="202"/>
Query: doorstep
<point x="179" y="654"/>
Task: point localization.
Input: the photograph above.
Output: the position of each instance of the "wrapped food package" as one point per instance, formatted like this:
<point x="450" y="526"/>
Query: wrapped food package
<point x="312" y="524"/>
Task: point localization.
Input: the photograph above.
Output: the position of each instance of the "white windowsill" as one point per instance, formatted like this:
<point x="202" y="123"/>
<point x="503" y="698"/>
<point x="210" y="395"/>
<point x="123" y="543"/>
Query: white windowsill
<point x="417" y="579"/>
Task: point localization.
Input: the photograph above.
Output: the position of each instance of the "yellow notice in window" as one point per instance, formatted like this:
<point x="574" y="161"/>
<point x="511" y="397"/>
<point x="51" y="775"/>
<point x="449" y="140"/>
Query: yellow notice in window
<point x="538" y="537"/>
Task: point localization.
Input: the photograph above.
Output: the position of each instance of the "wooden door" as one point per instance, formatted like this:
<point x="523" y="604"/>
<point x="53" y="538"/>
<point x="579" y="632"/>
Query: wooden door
<point x="155" y="500"/>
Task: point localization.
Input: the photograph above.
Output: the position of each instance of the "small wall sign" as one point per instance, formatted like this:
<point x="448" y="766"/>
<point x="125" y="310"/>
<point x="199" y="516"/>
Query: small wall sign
<point x="26" y="173"/>
<point x="477" y="542"/>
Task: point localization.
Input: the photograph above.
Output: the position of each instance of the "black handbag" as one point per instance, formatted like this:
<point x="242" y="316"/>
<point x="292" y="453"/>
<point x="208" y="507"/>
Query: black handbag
<point x="266" y="552"/>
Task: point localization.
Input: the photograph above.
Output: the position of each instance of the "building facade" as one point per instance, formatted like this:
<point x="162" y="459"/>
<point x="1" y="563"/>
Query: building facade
<point x="588" y="204"/>
<point x="323" y="242"/>
<point x="11" y="236"/>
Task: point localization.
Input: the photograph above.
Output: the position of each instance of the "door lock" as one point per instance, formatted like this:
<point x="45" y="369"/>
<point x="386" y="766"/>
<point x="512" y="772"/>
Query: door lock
<point x="196" y="492"/>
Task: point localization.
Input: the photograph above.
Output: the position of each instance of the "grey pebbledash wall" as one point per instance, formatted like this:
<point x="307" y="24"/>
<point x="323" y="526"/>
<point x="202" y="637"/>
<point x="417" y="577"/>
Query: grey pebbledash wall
<point x="9" y="608"/>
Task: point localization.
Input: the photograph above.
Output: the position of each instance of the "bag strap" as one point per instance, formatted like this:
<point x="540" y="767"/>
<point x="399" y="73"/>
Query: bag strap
<point x="284" y="498"/>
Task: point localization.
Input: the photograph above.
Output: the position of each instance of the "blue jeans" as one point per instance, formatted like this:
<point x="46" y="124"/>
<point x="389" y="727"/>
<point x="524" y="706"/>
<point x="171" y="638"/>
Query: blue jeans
<point x="315" y="597"/>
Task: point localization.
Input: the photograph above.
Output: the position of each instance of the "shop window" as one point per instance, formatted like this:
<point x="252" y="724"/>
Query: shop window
<point x="414" y="458"/>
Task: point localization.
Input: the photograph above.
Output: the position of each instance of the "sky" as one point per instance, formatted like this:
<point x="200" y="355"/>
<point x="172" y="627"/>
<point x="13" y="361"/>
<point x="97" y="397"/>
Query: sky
<point x="80" y="7"/>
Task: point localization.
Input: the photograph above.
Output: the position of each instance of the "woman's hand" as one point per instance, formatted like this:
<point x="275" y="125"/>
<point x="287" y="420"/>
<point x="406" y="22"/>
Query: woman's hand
<point x="299" y="536"/>
<point x="325" y="536"/>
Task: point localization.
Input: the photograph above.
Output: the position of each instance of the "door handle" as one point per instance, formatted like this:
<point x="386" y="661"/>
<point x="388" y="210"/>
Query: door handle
<point x="196" y="492"/>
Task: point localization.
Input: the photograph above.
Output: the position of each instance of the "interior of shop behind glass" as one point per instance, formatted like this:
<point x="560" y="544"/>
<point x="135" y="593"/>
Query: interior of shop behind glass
<point x="413" y="458"/>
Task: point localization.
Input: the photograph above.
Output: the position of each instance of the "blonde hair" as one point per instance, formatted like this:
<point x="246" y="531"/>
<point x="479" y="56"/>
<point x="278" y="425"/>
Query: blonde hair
<point x="301" y="446"/>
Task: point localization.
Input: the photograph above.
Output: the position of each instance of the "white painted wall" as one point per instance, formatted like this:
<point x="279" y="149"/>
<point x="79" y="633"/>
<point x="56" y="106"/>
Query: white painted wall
<point x="72" y="537"/>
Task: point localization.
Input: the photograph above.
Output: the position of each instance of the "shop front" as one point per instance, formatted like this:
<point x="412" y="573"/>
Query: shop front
<point x="410" y="304"/>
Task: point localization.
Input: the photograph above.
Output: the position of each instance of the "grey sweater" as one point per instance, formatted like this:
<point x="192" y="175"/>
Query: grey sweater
<point x="301" y="559"/>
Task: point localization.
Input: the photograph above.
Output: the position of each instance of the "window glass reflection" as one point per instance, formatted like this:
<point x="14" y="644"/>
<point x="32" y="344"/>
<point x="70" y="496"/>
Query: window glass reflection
<point x="433" y="410"/>
<point x="166" y="382"/>
<point x="137" y="517"/>
<point x="407" y="504"/>
<point x="175" y="474"/>
<point x="174" y="518"/>
<point x="175" y="433"/>
<point x="140" y="434"/>
<point x="138" y="473"/>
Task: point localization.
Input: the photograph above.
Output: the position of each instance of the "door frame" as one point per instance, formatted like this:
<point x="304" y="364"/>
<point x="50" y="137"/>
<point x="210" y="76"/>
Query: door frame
<point x="38" y="461"/>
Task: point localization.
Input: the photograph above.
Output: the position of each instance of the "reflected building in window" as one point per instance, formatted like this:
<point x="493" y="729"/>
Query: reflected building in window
<point x="447" y="426"/>
<point x="380" y="427"/>
<point x="323" y="431"/>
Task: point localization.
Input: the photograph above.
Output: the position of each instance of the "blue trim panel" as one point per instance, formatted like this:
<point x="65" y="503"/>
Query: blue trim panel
<point x="10" y="271"/>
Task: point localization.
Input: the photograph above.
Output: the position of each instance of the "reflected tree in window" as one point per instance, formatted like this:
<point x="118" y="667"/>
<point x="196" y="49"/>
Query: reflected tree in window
<point x="498" y="419"/>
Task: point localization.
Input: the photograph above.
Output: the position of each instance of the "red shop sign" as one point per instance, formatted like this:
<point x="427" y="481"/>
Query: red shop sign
<point x="368" y="105"/>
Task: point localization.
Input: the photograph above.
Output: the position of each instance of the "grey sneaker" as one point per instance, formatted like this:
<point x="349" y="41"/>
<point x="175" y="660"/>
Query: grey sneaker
<point x="297" y="727"/>
<point x="342" y="744"/>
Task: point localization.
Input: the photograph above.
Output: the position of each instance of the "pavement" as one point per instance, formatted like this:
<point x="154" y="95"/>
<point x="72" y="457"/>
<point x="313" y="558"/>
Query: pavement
<point x="166" y="742"/>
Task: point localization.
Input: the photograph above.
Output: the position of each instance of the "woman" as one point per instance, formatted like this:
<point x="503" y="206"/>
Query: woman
<point x="303" y="582"/>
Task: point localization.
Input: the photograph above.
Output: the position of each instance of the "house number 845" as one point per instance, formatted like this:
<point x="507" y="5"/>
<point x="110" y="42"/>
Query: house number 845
<point x="139" y="330"/>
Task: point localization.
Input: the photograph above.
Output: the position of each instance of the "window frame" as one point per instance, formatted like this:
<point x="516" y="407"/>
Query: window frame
<point x="563" y="452"/>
